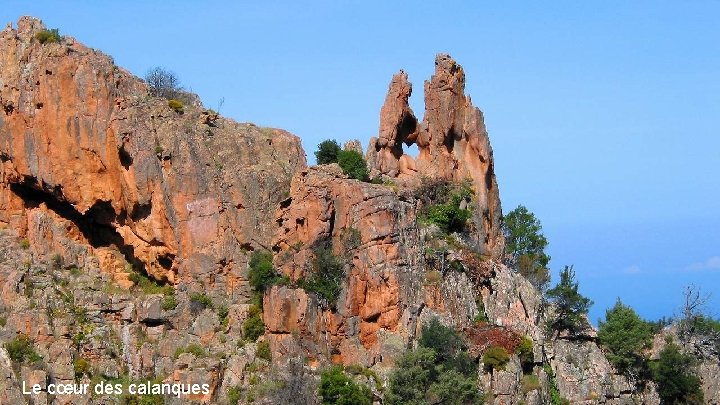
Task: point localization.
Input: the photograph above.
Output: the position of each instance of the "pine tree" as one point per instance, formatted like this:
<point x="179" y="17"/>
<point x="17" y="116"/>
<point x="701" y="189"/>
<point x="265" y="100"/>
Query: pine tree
<point x="672" y="373"/>
<point x="624" y="335"/>
<point x="526" y="245"/>
<point x="570" y="306"/>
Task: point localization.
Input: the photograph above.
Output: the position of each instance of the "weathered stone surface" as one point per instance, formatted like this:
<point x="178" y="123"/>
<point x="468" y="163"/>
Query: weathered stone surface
<point x="452" y="141"/>
<point x="98" y="178"/>
<point x="385" y="295"/>
<point x="584" y="375"/>
<point x="81" y="138"/>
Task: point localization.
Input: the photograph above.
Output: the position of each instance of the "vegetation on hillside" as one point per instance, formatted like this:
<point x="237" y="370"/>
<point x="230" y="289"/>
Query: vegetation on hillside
<point x="625" y="336"/>
<point x="570" y="307"/>
<point x="673" y="373"/>
<point x="351" y="161"/>
<point x="327" y="275"/>
<point x="327" y="152"/>
<point x="337" y="388"/>
<point x="525" y="244"/>
<point x="446" y="204"/>
<point x="46" y="36"/>
<point x="438" y="371"/>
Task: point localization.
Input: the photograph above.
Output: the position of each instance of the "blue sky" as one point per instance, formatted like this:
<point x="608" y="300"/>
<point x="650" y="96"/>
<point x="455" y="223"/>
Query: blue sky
<point x="604" y="116"/>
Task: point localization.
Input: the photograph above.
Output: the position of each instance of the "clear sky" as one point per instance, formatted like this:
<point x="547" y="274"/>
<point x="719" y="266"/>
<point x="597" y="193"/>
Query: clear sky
<point x="604" y="116"/>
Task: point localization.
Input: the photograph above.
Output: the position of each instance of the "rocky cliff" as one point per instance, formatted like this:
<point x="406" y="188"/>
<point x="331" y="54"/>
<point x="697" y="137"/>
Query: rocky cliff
<point x="128" y="227"/>
<point x="85" y="147"/>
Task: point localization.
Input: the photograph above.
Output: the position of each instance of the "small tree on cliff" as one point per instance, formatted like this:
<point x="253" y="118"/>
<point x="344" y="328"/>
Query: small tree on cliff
<point x="327" y="152"/>
<point x="672" y="373"/>
<point x="163" y="83"/>
<point x="570" y="306"/>
<point x="353" y="164"/>
<point x="526" y="245"/>
<point x="624" y="335"/>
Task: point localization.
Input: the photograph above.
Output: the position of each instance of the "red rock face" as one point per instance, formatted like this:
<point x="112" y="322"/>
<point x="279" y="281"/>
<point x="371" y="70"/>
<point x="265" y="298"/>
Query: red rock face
<point x="181" y="195"/>
<point x="452" y="141"/>
<point x="384" y="292"/>
<point x="325" y="206"/>
<point x="386" y="295"/>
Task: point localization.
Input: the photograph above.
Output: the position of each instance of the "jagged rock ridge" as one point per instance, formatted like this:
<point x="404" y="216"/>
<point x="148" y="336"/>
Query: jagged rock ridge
<point x="97" y="175"/>
<point x="452" y="141"/>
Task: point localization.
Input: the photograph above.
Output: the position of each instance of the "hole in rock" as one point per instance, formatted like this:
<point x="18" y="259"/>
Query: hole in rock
<point x="140" y="211"/>
<point x="166" y="261"/>
<point x="125" y="159"/>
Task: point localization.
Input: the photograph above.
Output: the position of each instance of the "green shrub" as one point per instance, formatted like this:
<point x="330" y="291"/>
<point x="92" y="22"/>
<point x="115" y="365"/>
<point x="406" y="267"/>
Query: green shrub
<point x="24" y="244"/>
<point x="438" y="371"/>
<point x="443" y="340"/>
<point x="673" y="374"/>
<point x="419" y="378"/>
<point x="413" y="374"/>
<point x="148" y="285"/>
<point x="234" y="395"/>
<point x="446" y="213"/>
<point x="481" y="316"/>
<point x="496" y="357"/>
<point x="81" y="367"/>
<point x="525" y="350"/>
<point x="263" y="351"/>
<point x="56" y="261"/>
<point x="192" y="348"/>
<point x="176" y="105"/>
<point x="21" y="350"/>
<point x="327" y="152"/>
<point x="202" y="299"/>
<point x="74" y="271"/>
<point x="46" y="36"/>
<point x="336" y="388"/>
<point x="223" y="313"/>
<point x="326" y="280"/>
<point x="529" y="382"/>
<point x="555" y="397"/>
<point x="262" y="275"/>
<point x="353" y="164"/>
<point x="253" y="327"/>
<point x="169" y="302"/>
<point x="452" y="387"/>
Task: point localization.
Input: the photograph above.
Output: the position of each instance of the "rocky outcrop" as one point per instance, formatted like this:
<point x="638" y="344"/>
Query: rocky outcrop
<point x="452" y="141"/>
<point x="91" y="156"/>
<point x="128" y="227"/>
<point x="386" y="293"/>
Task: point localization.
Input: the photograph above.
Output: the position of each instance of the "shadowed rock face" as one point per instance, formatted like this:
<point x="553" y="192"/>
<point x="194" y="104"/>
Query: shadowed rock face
<point x="452" y="142"/>
<point x="182" y="196"/>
